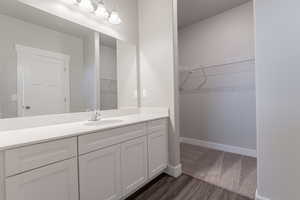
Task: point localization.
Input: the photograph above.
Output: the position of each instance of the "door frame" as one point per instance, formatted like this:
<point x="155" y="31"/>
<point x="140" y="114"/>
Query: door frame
<point x="25" y="50"/>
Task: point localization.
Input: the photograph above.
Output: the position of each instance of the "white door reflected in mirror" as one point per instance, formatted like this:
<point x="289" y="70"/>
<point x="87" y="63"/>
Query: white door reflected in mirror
<point x="43" y="82"/>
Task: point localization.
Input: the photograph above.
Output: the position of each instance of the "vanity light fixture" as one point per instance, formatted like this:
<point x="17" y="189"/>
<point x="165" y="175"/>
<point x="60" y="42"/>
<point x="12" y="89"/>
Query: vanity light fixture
<point x="87" y="5"/>
<point x="101" y="11"/>
<point x="114" y="18"/>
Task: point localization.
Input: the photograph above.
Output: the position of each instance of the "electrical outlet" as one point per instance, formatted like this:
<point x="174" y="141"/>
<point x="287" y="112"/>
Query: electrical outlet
<point x="135" y="94"/>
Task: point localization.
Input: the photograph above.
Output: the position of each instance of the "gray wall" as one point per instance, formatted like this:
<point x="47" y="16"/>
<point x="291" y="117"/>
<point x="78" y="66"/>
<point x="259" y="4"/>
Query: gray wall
<point x="223" y="111"/>
<point x="14" y="32"/>
<point x="278" y="98"/>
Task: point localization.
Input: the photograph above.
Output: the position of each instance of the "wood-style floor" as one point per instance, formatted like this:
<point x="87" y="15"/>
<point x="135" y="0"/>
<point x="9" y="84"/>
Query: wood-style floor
<point x="233" y="172"/>
<point x="183" y="188"/>
<point x="208" y="175"/>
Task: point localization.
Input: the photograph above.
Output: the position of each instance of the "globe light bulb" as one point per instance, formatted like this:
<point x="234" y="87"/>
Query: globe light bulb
<point x="114" y="18"/>
<point x="86" y="5"/>
<point x="101" y="11"/>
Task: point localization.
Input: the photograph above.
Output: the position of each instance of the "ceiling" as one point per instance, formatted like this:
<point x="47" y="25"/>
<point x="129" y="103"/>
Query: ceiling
<point x="16" y="9"/>
<point x="191" y="11"/>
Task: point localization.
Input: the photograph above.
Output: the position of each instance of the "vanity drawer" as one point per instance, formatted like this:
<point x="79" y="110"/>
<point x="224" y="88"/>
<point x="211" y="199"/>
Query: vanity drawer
<point x="157" y="125"/>
<point x="34" y="156"/>
<point x="95" y="141"/>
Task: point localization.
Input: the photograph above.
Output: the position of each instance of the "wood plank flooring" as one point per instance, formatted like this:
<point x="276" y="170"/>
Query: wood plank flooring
<point x="208" y="175"/>
<point x="233" y="172"/>
<point x="183" y="188"/>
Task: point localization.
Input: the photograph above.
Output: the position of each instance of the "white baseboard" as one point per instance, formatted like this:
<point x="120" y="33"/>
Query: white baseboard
<point x="220" y="147"/>
<point x="258" y="197"/>
<point x="174" y="171"/>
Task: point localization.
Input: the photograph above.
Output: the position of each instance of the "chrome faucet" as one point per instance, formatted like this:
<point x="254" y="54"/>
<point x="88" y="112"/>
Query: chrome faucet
<point x="96" y="116"/>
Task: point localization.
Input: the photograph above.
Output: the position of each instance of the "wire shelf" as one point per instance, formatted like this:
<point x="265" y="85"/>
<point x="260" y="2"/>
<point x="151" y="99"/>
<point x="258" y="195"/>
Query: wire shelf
<point x="204" y="75"/>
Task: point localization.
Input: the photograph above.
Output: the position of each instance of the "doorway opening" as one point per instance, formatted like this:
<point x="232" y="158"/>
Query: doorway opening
<point x="217" y="93"/>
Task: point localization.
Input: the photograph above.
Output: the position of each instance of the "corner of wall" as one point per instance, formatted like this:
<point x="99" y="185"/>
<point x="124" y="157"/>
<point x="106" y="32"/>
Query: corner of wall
<point x="258" y="197"/>
<point x="174" y="171"/>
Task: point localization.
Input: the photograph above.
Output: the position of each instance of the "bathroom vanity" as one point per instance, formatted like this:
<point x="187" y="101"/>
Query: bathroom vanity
<point x="105" y="160"/>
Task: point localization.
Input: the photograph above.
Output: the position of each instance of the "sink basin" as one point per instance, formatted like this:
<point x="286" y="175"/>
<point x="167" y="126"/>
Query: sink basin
<point x="103" y="122"/>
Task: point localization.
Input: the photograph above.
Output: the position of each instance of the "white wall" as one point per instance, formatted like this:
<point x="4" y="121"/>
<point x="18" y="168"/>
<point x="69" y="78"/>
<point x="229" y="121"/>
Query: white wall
<point x="224" y="38"/>
<point x="157" y="28"/>
<point x="14" y="31"/>
<point x="278" y="98"/>
<point x="223" y="111"/>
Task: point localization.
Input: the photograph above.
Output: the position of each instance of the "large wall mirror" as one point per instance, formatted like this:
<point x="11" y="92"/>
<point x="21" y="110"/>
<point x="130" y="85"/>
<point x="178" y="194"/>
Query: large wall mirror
<point x="49" y="65"/>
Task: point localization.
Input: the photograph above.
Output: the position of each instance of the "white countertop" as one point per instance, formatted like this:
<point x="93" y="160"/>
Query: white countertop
<point x="22" y="137"/>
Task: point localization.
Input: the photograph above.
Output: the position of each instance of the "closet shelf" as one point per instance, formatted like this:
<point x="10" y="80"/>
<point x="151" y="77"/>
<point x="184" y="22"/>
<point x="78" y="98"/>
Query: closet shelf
<point x="205" y="75"/>
<point x="203" y="67"/>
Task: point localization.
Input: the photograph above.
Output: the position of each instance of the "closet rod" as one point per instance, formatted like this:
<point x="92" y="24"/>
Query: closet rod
<point x="220" y="65"/>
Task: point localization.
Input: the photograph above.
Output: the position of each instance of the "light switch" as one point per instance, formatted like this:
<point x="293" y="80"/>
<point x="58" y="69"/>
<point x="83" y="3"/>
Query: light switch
<point x="144" y="93"/>
<point x="135" y="94"/>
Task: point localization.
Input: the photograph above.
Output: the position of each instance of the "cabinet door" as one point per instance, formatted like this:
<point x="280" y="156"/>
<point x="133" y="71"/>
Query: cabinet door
<point x="57" y="181"/>
<point x="157" y="149"/>
<point x="100" y="177"/>
<point x="134" y="164"/>
<point x="31" y="157"/>
<point x="2" y="176"/>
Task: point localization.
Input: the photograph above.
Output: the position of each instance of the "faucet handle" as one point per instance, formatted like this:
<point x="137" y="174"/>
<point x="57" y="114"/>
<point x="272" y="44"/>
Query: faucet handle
<point x="95" y="115"/>
<point x="98" y="114"/>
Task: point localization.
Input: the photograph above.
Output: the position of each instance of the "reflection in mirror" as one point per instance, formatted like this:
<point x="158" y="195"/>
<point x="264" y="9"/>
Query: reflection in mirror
<point x="44" y="63"/>
<point x="118" y="74"/>
<point x="108" y="73"/>
<point x="49" y="65"/>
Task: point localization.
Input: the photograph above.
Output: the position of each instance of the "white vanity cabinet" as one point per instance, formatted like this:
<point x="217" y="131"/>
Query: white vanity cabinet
<point x="57" y="181"/>
<point x="2" y="177"/>
<point x="106" y="165"/>
<point x="34" y="156"/>
<point x="44" y="171"/>
<point x="134" y="164"/>
<point x="157" y="147"/>
<point x="100" y="174"/>
<point x="115" y="163"/>
<point x="115" y="171"/>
